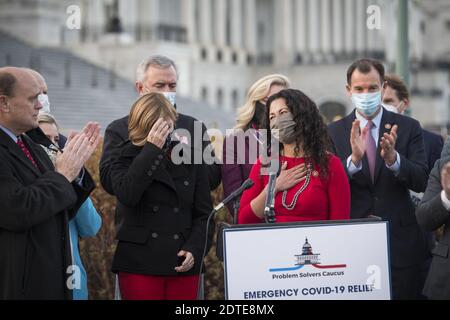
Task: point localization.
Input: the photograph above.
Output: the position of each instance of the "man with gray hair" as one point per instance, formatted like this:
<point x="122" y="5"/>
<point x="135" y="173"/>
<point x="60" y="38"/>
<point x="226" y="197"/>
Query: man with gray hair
<point x="155" y="74"/>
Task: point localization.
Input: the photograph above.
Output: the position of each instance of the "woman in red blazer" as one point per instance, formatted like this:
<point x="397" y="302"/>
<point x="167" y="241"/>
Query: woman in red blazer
<point x="312" y="184"/>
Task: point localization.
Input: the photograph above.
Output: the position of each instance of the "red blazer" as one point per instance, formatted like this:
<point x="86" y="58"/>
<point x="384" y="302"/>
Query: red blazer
<point x="323" y="199"/>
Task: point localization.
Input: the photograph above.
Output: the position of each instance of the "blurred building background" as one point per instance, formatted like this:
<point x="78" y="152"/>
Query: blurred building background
<point x="221" y="47"/>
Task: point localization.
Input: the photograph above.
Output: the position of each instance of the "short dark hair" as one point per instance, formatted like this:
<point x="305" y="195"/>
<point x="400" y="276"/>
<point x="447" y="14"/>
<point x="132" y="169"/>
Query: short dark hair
<point x="7" y="84"/>
<point x="397" y="84"/>
<point x="365" y="65"/>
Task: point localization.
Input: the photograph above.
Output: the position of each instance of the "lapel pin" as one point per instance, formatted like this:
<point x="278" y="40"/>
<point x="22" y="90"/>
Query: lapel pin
<point x="388" y="126"/>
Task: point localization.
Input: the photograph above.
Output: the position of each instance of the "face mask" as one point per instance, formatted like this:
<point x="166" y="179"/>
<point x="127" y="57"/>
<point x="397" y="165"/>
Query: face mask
<point x="45" y="103"/>
<point x="398" y="109"/>
<point x="286" y="128"/>
<point x="171" y="96"/>
<point x="260" y="114"/>
<point x="367" y="103"/>
<point x="390" y="108"/>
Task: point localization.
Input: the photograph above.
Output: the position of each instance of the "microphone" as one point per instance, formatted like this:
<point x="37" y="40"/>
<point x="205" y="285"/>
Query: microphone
<point x="269" y="205"/>
<point x="236" y="193"/>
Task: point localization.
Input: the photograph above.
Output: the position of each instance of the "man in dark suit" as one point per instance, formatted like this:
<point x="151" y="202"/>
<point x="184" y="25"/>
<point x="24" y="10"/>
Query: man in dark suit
<point x="396" y="99"/>
<point x="155" y="74"/>
<point x="37" y="198"/>
<point x="433" y="213"/>
<point x="384" y="156"/>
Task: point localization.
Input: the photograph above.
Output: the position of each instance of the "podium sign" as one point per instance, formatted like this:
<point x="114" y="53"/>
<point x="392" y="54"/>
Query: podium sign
<point x="312" y="261"/>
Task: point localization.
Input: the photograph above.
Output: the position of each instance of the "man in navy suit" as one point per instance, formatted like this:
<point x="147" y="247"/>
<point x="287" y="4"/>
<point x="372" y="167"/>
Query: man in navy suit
<point x="384" y="156"/>
<point x="396" y="99"/>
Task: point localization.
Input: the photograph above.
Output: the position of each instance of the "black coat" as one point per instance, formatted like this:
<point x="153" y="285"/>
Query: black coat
<point x="117" y="133"/>
<point x="389" y="196"/>
<point x="433" y="146"/>
<point x="164" y="208"/>
<point x="35" y="208"/>
<point x="432" y="215"/>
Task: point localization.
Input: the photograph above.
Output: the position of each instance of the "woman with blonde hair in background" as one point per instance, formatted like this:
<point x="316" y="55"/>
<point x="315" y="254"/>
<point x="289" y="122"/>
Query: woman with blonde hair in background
<point x="241" y="149"/>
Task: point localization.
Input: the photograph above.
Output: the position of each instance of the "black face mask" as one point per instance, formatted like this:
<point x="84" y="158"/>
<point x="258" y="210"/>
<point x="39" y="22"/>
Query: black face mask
<point x="260" y="114"/>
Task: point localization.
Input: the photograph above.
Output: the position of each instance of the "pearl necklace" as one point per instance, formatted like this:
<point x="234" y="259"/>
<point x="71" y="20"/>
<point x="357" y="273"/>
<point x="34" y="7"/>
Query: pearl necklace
<point x="292" y="205"/>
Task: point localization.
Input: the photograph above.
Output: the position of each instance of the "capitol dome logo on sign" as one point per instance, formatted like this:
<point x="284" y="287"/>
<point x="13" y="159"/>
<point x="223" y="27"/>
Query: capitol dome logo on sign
<point x="307" y="258"/>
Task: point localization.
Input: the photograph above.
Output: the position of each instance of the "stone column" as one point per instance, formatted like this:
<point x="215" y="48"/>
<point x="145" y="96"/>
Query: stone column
<point x="154" y="14"/>
<point x="190" y="23"/>
<point x="205" y="22"/>
<point x="325" y="28"/>
<point x="128" y="16"/>
<point x="361" y="26"/>
<point x="314" y="29"/>
<point x="350" y="26"/>
<point x="301" y="27"/>
<point x="236" y="23"/>
<point x="250" y="26"/>
<point x="338" y="30"/>
<point x="220" y="21"/>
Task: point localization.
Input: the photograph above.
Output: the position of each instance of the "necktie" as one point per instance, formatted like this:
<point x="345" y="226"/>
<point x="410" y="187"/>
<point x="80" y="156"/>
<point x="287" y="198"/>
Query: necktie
<point x="26" y="151"/>
<point x="371" y="149"/>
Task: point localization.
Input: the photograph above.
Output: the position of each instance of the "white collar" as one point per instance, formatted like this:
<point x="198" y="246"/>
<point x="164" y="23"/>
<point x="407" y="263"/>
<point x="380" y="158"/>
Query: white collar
<point x="363" y="121"/>
<point x="9" y="133"/>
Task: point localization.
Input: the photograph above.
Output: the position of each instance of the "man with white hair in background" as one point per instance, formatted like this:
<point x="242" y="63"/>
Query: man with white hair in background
<point x="155" y="74"/>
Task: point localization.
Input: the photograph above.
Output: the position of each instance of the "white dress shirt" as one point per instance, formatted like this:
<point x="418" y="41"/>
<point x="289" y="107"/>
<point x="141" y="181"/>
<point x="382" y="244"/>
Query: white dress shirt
<point x="375" y="132"/>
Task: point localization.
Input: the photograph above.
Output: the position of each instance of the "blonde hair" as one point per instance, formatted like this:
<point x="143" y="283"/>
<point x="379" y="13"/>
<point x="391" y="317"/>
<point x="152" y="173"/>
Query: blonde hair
<point x="258" y="91"/>
<point x="45" y="117"/>
<point x="145" y="112"/>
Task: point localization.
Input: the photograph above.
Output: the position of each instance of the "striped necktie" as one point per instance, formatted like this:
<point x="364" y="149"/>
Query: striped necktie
<point x="26" y="151"/>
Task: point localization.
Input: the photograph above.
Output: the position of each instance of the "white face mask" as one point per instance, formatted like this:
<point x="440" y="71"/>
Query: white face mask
<point x="45" y="103"/>
<point x="397" y="109"/>
<point x="171" y="96"/>
<point x="367" y="103"/>
<point x="390" y="108"/>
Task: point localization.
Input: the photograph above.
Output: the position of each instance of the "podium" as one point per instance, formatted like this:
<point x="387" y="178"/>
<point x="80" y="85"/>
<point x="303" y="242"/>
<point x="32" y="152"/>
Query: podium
<point x="320" y="260"/>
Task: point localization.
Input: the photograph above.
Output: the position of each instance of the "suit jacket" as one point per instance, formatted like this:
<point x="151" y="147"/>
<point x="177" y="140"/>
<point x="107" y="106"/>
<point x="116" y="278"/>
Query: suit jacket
<point x="433" y="146"/>
<point x="431" y="214"/>
<point x="165" y="208"/>
<point x="34" y="240"/>
<point x="388" y="197"/>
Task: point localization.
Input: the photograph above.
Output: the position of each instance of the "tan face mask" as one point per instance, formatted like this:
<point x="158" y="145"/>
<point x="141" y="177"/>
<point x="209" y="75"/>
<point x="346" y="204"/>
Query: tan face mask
<point x="286" y="128"/>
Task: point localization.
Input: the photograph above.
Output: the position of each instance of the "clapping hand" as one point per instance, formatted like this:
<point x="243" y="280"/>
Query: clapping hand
<point x="77" y="151"/>
<point x="387" y="144"/>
